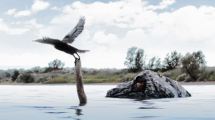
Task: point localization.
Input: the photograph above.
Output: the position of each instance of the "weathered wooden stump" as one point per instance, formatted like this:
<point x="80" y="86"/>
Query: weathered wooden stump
<point x="79" y="83"/>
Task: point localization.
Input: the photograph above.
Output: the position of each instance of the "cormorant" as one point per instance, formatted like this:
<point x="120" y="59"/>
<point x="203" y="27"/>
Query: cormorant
<point x="69" y="38"/>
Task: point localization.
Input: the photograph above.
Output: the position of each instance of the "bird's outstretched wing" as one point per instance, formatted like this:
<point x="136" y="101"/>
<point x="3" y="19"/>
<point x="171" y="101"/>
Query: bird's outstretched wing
<point x="70" y="37"/>
<point x="47" y="40"/>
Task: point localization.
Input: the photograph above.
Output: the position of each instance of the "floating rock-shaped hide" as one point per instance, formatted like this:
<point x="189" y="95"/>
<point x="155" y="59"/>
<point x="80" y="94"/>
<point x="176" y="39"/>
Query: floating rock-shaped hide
<point x="148" y="85"/>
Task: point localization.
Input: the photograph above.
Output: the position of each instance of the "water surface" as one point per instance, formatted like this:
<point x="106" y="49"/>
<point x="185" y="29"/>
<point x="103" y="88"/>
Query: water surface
<point x="60" y="102"/>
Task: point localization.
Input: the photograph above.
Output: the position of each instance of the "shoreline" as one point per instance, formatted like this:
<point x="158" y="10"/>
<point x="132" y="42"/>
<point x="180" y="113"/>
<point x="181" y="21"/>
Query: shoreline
<point x="182" y="83"/>
<point x="198" y="83"/>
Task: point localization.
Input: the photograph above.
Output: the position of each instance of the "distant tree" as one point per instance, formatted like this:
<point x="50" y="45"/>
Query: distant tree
<point x="139" y="60"/>
<point x="25" y="78"/>
<point x="135" y="59"/>
<point x="56" y="64"/>
<point x="171" y="61"/>
<point x="47" y="69"/>
<point x="36" y="69"/>
<point x="7" y="74"/>
<point x="154" y="64"/>
<point x="15" y="75"/>
<point x="130" y="59"/>
<point x="193" y="64"/>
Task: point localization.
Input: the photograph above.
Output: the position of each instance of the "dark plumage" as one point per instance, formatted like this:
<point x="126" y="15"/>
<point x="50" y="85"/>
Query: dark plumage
<point x="69" y="38"/>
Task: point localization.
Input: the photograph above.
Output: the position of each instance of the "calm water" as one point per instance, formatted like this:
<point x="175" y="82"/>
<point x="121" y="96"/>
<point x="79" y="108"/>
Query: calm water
<point x="60" y="102"/>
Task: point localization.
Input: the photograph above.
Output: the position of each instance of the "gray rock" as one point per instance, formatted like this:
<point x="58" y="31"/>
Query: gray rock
<point x="148" y="85"/>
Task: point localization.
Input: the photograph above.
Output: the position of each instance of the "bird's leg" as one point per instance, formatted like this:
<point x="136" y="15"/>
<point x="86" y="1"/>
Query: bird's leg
<point x="74" y="56"/>
<point x="78" y="56"/>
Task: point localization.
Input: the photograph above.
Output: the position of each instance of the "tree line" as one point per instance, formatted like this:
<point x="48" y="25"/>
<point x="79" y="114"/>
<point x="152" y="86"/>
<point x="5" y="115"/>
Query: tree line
<point x="192" y="65"/>
<point x="25" y="76"/>
<point x="188" y="67"/>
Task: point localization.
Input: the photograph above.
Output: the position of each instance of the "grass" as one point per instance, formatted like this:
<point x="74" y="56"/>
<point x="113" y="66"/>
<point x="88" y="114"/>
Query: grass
<point x="58" y="79"/>
<point x="100" y="77"/>
<point x="107" y="77"/>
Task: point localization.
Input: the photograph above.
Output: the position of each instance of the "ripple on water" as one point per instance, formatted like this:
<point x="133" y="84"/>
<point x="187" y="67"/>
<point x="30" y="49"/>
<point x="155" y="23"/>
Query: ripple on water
<point x="78" y="111"/>
<point x="25" y="105"/>
<point x="55" y="112"/>
<point x="149" y="108"/>
<point x="145" y="117"/>
<point x="43" y="107"/>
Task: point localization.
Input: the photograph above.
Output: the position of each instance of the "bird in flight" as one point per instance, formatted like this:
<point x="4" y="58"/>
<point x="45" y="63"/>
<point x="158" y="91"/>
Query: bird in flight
<point x="63" y="45"/>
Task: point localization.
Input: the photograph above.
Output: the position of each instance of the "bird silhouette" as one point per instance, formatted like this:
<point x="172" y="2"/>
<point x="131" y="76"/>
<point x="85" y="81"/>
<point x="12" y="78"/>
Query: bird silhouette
<point x="63" y="45"/>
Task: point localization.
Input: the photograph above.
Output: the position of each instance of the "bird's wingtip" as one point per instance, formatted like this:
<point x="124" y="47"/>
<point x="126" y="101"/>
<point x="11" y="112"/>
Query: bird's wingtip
<point x="38" y="40"/>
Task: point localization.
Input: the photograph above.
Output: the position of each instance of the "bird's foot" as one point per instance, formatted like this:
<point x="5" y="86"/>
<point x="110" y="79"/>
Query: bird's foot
<point x="78" y="56"/>
<point x="77" y="59"/>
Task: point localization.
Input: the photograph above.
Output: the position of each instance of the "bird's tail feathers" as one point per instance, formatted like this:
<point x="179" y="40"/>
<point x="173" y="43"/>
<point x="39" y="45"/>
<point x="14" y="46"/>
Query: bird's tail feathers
<point x="82" y="51"/>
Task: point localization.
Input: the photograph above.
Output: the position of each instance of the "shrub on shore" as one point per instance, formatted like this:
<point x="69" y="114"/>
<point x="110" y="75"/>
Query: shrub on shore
<point x="25" y="78"/>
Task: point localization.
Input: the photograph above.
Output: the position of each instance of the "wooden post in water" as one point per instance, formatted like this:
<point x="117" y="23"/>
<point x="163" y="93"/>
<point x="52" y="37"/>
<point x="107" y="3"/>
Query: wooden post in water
<point x="79" y="83"/>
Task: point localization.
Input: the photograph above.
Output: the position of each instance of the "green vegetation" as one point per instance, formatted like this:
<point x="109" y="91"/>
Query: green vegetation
<point x="171" y="61"/>
<point x="95" y="76"/>
<point x="190" y="67"/>
<point x="58" y="79"/>
<point x="55" y="65"/>
<point x="154" y="64"/>
<point x="67" y="76"/>
<point x="25" y="78"/>
<point x="194" y="66"/>
<point x="15" y="75"/>
<point x="111" y="77"/>
<point x="135" y="59"/>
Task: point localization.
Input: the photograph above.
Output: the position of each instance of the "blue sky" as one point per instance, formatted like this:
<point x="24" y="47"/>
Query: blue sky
<point x="157" y="26"/>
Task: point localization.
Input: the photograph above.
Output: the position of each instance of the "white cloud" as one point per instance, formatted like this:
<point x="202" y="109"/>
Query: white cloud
<point x="37" y="6"/>
<point x="166" y="3"/>
<point x="56" y="8"/>
<point x="22" y="13"/>
<point x="163" y="4"/>
<point x="104" y="39"/>
<point x="111" y="28"/>
<point x="11" y="11"/>
<point x="156" y="32"/>
<point x="20" y="27"/>
<point x="4" y="27"/>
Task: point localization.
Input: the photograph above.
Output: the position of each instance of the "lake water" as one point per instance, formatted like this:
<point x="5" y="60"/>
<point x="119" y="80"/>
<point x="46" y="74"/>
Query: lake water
<point x="60" y="102"/>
